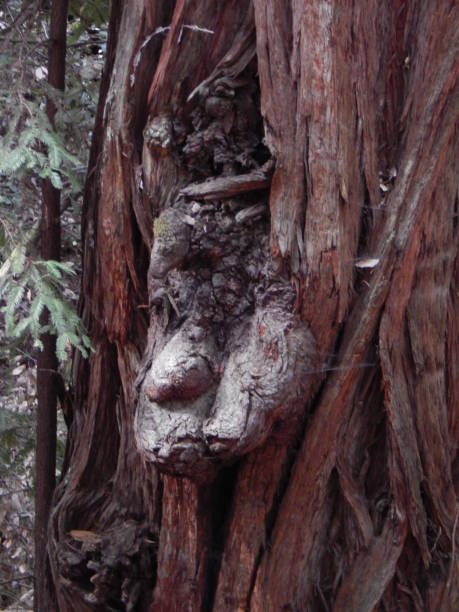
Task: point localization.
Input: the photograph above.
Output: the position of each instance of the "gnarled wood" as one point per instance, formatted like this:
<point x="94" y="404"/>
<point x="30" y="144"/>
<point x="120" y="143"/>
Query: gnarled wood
<point x="264" y="425"/>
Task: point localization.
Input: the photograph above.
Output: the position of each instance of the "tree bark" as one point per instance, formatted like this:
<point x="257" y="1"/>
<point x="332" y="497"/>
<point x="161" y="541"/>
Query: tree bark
<point x="47" y="383"/>
<point x="269" y="421"/>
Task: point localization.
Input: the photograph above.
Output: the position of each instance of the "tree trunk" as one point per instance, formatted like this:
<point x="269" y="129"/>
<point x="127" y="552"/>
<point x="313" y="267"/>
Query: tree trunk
<point x="269" y="420"/>
<point x="47" y="381"/>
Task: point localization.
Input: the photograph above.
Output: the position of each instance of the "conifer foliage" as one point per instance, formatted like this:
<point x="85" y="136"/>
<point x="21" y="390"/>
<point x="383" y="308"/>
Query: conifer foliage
<point x="35" y="149"/>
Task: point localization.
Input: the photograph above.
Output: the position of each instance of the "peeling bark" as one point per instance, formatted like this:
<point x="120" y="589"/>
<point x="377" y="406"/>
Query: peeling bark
<point x="265" y="426"/>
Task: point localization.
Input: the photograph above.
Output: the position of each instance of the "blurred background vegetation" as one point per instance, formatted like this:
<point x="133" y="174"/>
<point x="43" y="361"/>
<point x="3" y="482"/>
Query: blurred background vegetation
<point x="29" y="151"/>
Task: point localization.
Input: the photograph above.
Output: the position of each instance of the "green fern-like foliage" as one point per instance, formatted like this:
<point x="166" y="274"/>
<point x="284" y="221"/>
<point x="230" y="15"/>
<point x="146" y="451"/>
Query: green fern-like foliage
<point x="27" y="288"/>
<point x="32" y="149"/>
<point x="39" y="149"/>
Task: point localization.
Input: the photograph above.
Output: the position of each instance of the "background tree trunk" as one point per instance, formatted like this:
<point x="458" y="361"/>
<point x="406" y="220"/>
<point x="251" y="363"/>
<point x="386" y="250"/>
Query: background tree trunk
<point x="353" y="507"/>
<point x="47" y="381"/>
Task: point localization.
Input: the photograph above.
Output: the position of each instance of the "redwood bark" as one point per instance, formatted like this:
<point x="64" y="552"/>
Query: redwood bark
<point x="345" y="500"/>
<point x="47" y="382"/>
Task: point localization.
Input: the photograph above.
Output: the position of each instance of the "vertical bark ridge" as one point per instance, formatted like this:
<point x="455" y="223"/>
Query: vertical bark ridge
<point x="409" y="418"/>
<point x="285" y="538"/>
<point x="452" y="359"/>
<point x="328" y="265"/>
<point x="183" y="547"/>
<point x="257" y="493"/>
<point x="300" y="100"/>
<point x="87" y="498"/>
<point x="96" y="464"/>
<point x="374" y="568"/>
<point x="353" y="459"/>
<point x="285" y="130"/>
<point x="303" y="540"/>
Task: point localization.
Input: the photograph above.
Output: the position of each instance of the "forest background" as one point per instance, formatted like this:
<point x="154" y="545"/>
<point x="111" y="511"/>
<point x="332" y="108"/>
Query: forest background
<point x="30" y="150"/>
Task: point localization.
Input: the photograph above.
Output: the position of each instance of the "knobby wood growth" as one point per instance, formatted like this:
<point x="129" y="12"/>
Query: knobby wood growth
<point x="264" y="426"/>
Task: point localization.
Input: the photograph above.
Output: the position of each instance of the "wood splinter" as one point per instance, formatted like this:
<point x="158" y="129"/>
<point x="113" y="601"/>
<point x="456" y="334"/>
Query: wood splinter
<point x="230" y="186"/>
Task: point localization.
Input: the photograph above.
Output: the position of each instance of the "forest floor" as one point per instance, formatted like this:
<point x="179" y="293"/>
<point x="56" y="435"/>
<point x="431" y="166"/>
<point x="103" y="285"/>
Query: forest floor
<point x="17" y="409"/>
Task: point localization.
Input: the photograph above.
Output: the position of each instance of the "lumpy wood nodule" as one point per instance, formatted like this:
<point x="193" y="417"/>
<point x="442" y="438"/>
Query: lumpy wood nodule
<point x="234" y="359"/>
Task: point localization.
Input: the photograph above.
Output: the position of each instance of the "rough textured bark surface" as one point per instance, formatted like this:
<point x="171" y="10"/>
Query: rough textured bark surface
<point x="47" y="381"/>
<point x="269" y="421"/>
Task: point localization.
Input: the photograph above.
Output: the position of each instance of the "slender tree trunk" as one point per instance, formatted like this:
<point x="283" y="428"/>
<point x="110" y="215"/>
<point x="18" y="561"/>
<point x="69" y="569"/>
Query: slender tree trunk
<point x="47" y="383"/>
<point x="197" y="478"/>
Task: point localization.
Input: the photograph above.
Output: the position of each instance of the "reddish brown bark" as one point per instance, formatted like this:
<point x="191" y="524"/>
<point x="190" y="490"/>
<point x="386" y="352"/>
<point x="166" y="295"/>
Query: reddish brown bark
<point x="47" y="382"/>
<point x="351" y="505"/>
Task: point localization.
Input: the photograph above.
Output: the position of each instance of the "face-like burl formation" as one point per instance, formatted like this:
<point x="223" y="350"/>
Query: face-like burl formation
<point x="234" y="360"/>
